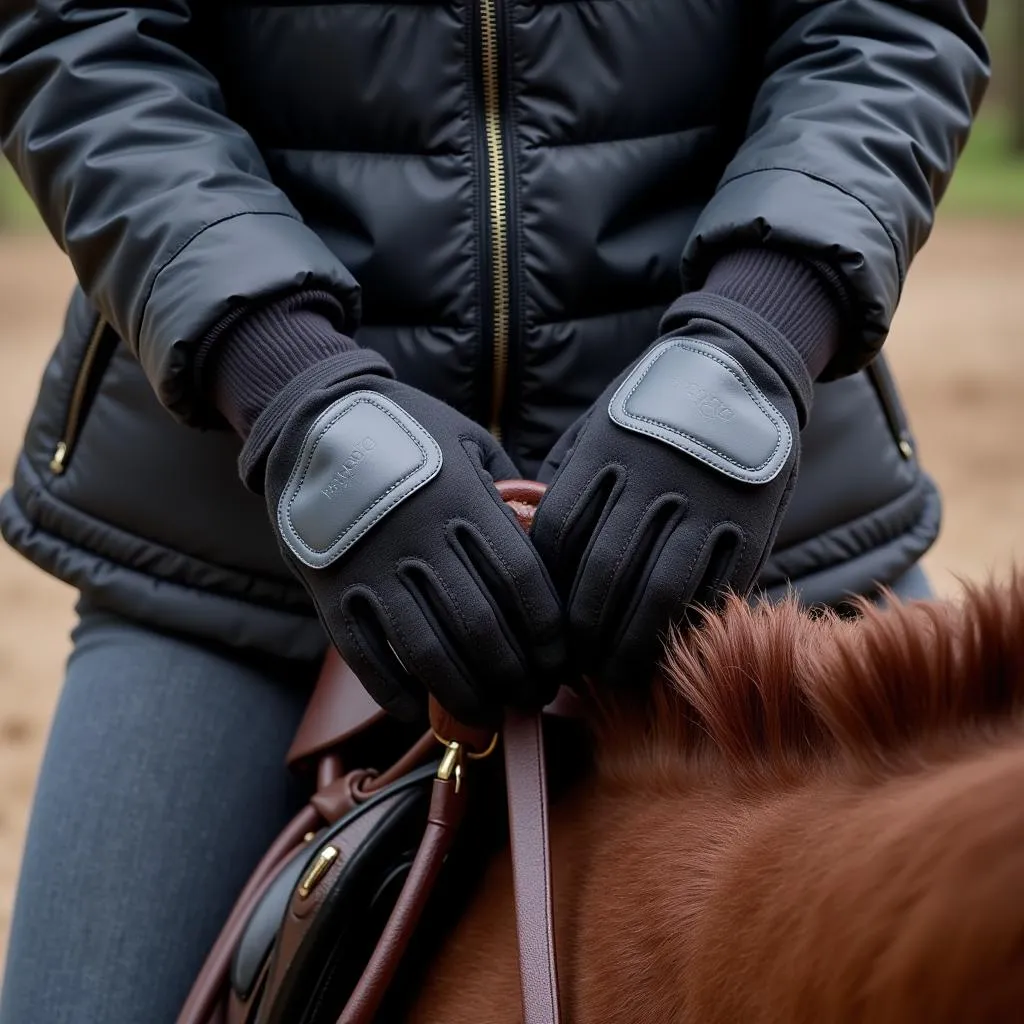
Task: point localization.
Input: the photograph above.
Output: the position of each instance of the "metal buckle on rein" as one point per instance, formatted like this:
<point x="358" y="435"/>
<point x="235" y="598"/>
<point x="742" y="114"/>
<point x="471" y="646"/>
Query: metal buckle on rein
<point x="455" y="755"/>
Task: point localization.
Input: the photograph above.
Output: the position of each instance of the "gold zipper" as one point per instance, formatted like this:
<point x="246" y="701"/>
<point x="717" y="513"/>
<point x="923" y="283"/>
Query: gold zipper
<point x="72" y="422"/>
<point x="498" y="202"/>
<point x="884" y="389"/>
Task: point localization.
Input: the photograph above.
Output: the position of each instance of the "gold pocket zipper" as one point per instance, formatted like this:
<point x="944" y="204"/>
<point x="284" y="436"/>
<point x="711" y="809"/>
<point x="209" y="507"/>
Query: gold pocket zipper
<point x="87" y="368"/>
<point x="881" y="380"/>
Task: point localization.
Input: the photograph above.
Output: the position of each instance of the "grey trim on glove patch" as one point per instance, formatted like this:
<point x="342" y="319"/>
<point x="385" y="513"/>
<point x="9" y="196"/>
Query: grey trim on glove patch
<point x="699" y="399"/>
<point x="362" y="457"/>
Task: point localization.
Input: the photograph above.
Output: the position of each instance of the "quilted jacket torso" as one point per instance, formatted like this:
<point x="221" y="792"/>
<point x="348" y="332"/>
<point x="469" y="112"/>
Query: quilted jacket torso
<point x="505" y="194"/>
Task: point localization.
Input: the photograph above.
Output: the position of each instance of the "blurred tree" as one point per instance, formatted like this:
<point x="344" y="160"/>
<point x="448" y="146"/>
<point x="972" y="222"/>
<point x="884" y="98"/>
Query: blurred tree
<point x="1014" y="63"/>
<point x="16" y="210"/>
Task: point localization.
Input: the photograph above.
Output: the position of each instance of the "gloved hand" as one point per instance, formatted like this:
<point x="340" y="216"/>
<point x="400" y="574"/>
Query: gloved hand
<point x="671" y="488"/>
<point x="384" y="502"/>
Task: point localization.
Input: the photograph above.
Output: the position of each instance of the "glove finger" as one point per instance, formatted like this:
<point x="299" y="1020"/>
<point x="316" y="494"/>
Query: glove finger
<point x="503" y="560"/>
<point x="490" y="458"/>
<point x="367" y="642"/>
<point x="508" y="571"/>
<point x="675" y="582"/>
<point x="629" y="586"/>
<point x="589" y="608"/>
<point x="568" y="519"/>
<point x="559" y="454"/>
<point x="492" y="463"/>
<point x="716" y="570"/>
<point x="428" y="654"/>
<point x="461" y="613"/>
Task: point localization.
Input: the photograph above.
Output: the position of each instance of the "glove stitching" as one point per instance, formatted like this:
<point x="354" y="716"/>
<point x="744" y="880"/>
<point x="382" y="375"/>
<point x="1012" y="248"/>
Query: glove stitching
<point x="474" y="572"/>
<point x="628" y="546"/>
<point x="569" y="452"/>
<point x="513" y="647"/>
<point x="749" y="326"/>
<point x="523" y="598"/>
<point x="585" y="492"/>
<point x="376" y="667"/>
<point x="742" y="534"/>
<point x="486" y="477"/>
<point x="682" y="599"/>
<point x="744" y="538"/>
<point x="403" y="641"/>
<point x="482" y="453"/>
<point x="365" y="653"/>
<point x="780" y="512"/>
<point x="698" y="550"/>
<point x="455" y="658"/>
<point x="437" y="578"/>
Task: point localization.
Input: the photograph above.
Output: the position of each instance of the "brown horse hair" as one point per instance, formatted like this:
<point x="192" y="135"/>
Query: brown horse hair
<point x="808" y="819"/>
<point x="765" y="691"/>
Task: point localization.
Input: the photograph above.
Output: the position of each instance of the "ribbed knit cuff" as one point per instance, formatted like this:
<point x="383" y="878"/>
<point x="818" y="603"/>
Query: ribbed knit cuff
<point x="363" y="362"/>
<point x="757" y="332"/>
<point x="249" y="357"/>
<point x="802" y="300"/>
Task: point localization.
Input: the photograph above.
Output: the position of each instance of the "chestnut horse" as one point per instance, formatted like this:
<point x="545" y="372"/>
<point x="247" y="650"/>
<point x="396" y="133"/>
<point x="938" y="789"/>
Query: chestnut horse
<point x="809" y="819"/>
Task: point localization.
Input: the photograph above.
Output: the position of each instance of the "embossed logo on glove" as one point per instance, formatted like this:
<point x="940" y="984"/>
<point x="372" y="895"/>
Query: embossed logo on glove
<point x="699" y="399"/>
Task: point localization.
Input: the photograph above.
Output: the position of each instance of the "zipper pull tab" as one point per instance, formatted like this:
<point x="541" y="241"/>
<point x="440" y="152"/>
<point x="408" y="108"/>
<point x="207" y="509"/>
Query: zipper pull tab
<point x="59" y="455"/>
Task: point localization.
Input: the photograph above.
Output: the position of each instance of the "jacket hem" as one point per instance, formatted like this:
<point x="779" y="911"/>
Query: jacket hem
<point x="821" y="571"/>
<point x="861" y="557"/>
<point x="151" y="599"/>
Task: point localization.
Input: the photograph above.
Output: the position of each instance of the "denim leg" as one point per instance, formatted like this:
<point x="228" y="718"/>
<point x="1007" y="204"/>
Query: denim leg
<point x="913" y="585"/>
<point x="162" y="785"/>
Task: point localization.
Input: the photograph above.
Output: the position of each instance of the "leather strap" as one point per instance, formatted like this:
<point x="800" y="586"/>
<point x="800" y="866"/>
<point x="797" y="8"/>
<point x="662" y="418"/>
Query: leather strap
<point x="447" y="804"/>
<point x="526" y="780"/>
<point x="339" y="708"/>
<point x="522" y="497"/>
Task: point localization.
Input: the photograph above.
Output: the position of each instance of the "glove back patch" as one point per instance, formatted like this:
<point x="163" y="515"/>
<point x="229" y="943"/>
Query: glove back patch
<point x="699" y="399"/>
<point x="361" y="458"/>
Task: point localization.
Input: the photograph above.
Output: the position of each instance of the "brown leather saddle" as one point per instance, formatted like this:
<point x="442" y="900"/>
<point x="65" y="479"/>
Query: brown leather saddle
<point x="339" y="906"/>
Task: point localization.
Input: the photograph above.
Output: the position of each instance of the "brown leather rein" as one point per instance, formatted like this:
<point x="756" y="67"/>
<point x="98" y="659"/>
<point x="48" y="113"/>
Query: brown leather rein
<point x="526" y="783"/>
<point x="341" y="709"/>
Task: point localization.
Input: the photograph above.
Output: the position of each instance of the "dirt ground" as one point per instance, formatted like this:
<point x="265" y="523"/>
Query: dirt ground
<point x="958" y="351"/>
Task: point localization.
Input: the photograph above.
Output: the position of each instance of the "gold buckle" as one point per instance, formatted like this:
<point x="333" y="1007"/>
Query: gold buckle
<point x="472" y="755"/>
<point x="451" y="764"/>
<point x="454" y="754"/>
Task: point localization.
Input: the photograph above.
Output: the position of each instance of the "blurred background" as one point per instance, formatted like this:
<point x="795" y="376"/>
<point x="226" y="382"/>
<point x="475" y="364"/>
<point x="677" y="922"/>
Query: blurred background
<point x="957" y="348"/>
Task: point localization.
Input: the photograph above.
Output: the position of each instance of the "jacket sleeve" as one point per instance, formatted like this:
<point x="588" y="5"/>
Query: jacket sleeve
<point x="162" y="203"/>
<point x="862" y="111"/>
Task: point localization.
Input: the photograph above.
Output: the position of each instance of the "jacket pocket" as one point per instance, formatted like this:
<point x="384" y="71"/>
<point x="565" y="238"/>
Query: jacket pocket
<point x="95" y="358"/>
<point x="881" y="378"/>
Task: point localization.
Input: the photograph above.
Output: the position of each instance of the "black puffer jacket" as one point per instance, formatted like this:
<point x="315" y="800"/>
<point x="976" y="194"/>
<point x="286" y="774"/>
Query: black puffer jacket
<point x="514" y="186"/>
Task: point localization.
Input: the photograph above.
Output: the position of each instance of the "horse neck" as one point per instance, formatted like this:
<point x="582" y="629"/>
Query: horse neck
<point x="839" y="899"/>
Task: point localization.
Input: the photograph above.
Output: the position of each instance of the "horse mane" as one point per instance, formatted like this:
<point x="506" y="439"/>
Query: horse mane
<point x="765" y="692"/>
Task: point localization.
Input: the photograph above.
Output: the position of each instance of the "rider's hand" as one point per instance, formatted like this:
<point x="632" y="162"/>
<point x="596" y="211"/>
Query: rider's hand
<point x="672" y="487"/>
<point x="384" y="502"/>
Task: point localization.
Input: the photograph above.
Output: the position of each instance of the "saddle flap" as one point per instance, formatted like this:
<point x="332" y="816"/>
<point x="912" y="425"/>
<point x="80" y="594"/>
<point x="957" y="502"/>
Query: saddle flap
<point x="338" y="709"/>
<point x="258" y="938"/>
<point x="307" y="933"/>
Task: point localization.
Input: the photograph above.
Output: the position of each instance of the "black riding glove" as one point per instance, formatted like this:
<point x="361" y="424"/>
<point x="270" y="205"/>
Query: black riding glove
<point x="384" y="503"/>
<point x="671" y="488"/>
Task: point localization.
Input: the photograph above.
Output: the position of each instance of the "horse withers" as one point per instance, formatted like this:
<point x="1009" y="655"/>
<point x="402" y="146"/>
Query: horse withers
<point x="808" y="820"/>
